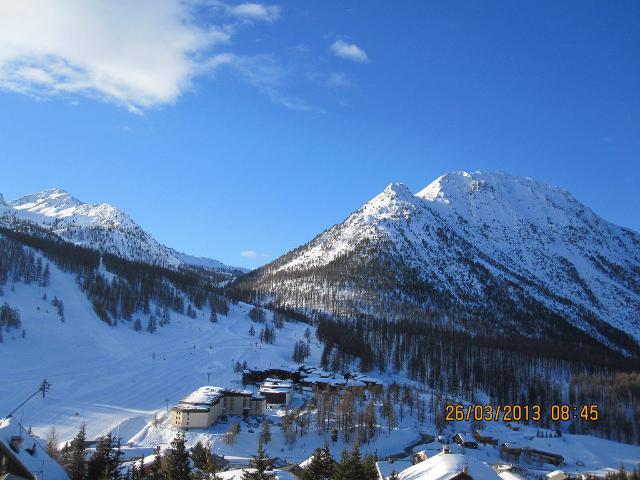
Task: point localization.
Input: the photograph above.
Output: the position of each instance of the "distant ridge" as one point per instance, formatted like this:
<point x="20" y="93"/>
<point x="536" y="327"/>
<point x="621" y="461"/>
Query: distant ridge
<point x="99" y="226"/>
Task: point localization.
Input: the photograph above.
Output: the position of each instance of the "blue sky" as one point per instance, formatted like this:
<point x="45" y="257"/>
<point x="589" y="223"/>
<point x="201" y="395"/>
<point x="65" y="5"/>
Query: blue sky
<point x="227" y="127"/>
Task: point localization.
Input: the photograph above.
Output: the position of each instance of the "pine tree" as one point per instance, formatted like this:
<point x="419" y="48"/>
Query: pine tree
<point x="210" y="467"/>
<point x="73" y="460"/>
<point x="321" y="465"/>
<point x="104" y="464"/>
<point x="199" y="455"/>
<point x="156" y="467"/>
<point x="151" y="324"/>
<point x="369" y="468"/>
<point x="262" y="465"/>
<point x="177" y="465"/>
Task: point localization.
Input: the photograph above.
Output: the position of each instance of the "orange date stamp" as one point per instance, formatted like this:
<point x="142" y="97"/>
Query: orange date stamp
<point x="519" y="413"/>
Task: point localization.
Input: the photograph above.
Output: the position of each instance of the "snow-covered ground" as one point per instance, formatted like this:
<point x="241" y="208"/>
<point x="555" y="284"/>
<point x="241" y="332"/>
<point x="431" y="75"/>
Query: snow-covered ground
<point x="117" y="380"/>
<point x="114" y="378"/>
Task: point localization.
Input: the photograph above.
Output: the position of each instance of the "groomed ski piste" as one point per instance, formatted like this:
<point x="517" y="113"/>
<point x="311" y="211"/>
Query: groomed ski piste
<point x="117" y="380"/>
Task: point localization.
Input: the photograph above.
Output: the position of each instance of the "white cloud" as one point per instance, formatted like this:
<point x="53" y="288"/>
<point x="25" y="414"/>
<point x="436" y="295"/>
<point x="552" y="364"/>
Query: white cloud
<point x="337" y="79"/>
<point x="255" y="11"/>
<point x="349" y="51"/>
<point x="270" y="78"/>
<point x="137" y="54"/>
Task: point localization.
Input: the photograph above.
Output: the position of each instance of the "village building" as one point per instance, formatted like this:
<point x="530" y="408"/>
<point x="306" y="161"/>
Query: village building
<point x="539" y="456"/>
<point x="309" y="377"/>
<point x="462" y="440"/>
<point x="449" y="466"/>
<point x="484" y="439"/>
<point x="23" y="458"/>
<point x="510" y="451"/>
<point x="278" y="393"/>
<point x="203" y="407"/>
<point x="253" y="376"/>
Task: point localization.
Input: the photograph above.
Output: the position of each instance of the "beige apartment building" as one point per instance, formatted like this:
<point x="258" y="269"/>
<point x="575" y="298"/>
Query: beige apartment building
<point x="203" y="407"/>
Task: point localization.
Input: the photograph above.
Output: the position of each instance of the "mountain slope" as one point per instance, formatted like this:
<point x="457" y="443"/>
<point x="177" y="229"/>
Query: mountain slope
<point x="112" y="375"/>
<point x="98" y="226"/>
<point x="485" y="252"/>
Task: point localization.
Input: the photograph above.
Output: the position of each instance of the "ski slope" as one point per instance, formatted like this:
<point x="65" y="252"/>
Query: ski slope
<point x="108" y="376"/>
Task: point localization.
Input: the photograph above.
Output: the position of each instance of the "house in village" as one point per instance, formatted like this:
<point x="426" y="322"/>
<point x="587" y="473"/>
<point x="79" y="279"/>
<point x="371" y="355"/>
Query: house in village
<point x="463" y="441"/>
<point x="539" y="456"/>
<point x="449" y="466"/>
<point x="23" y="458"/>
<point x="278" y="393"/>
<point x="203" y="408"/>
<point x="484" y="439"/>
<point x="510" y="451"/>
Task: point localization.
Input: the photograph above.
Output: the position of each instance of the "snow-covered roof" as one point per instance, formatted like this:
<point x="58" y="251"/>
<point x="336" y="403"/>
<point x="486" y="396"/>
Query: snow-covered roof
<point x="444" y="466"/>
<point x="238" y="474"/>
<point x="41" y="465"/>
<point x="277" y="381"/>
<point x="509" y="475"/>
<point x="203" y="396"/>
<point x="557" y="475"/>
<point x="272" y="385"/>
<point x="208" y="395"/>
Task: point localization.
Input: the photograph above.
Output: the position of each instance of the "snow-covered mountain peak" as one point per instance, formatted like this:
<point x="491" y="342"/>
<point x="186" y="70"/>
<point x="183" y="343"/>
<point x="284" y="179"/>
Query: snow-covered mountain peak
<point x="2" y="200"/>
<point x="394" y="200"/>
<point x="47" y="200"/>
<point x="100" y="226"/>
<point x="398" y="190"/>
<point x="469" y="233"/>
<point x="451" y="186"/>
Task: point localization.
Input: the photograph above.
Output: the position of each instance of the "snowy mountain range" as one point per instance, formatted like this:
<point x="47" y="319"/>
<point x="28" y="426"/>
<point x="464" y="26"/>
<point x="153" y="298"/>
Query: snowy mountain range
<point x="483" y="251"/>
<point x="98" y="226"/>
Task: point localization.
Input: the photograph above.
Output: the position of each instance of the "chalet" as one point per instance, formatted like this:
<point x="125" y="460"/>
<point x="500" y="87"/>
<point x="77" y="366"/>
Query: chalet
<point x="203" y="408"/>
<point x="510" y="450"/>
<point x="461" y="440"/>
<point x="277" y="392"/>
<point x="484" y="439"/>
<point x="449" y="466"/>
<point x="539" y="456"/>
<point x="22" y="457"/>
<point x="509" y="425"/>
<point x="442" y="440"/>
